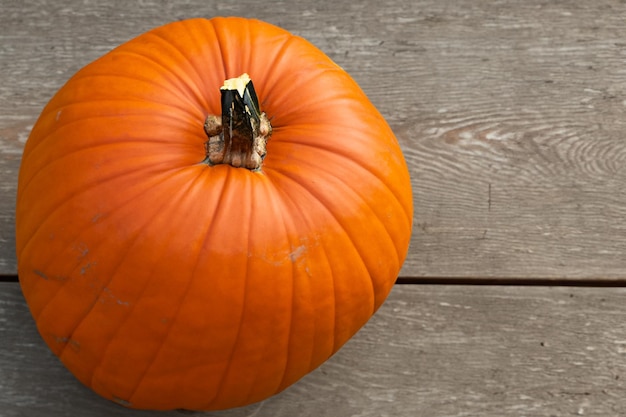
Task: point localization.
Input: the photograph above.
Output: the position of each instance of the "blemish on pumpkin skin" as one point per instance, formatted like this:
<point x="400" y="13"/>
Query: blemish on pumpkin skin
<point x="41" y="274"/>
<point x="82" y="249"/>
<point x="86" y="267"/>
<point x="107" y="295"/>
<point x="73" y="344"/>
<point x="297" y="253"/>
<point x="121" y="401"/>
<point x="48" y="278"/>
<point x="61" y="340"/>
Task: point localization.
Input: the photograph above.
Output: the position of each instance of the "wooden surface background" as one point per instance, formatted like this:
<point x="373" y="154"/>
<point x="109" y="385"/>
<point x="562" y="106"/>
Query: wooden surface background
<point x="512" y="117"/>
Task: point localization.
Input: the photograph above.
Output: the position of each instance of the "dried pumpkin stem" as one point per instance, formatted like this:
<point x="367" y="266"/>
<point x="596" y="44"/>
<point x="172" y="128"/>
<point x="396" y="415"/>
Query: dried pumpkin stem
<point x="239" y="136"/>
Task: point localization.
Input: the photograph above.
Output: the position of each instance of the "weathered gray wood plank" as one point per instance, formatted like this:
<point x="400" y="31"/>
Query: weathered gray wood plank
<point x="517" y="140"/>
<point x="511" y="114"/>
<point x="430" y="351"/>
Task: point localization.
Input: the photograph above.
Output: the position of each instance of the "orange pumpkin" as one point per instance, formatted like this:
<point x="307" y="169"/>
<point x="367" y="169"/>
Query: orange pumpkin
<point x="167" y="275"/>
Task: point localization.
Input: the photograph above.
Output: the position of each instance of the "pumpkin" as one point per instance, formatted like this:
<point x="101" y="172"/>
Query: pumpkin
<point x="206" y="214"/>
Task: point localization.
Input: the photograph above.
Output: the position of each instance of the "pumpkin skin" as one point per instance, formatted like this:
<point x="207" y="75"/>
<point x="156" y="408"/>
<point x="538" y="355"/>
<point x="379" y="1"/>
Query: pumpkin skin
<point x="162" y="282"/>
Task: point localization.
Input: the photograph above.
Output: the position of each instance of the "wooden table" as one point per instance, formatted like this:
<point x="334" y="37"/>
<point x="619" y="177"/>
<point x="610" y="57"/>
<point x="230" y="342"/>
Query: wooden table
<point x="512" y="117"/>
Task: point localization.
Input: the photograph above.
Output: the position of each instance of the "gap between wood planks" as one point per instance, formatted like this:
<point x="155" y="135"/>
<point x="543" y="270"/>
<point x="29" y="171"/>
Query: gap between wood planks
<point x="522" y="282"/>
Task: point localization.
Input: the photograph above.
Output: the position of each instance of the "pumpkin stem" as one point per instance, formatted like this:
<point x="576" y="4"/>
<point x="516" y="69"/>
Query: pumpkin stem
<point x="239" y="136"/>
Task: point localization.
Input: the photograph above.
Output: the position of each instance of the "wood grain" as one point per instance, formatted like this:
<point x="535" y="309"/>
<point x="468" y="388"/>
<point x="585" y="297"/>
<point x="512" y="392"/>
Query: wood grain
<point x="430" y="351"/>
<point x="517" y="143"/>
<point x="511" y="115"/>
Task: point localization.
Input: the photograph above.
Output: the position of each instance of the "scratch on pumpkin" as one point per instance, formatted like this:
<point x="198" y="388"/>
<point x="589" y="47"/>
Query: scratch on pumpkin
<point x="45" y="276"/>
<point x="107" y="295"/>
<point x="297" y="253"/>
<point x="82" y="250"/>
<point x="279" y="259"/>
<point x="86" y="267"/>
<point x="122" y="401"/>
<point x="73" y="344"/>
<point x="41" y="274"/>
